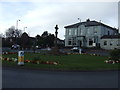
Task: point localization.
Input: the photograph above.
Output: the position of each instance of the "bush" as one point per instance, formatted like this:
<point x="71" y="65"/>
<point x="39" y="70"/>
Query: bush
<point x="115" y="54"/>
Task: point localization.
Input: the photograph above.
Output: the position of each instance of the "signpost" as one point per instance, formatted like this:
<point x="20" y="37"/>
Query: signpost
<point x="21" y="58"/>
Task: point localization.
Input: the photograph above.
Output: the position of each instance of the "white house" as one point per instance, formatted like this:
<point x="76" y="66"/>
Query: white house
<point x="110" y="42"/>
<point x="87" y="34"/>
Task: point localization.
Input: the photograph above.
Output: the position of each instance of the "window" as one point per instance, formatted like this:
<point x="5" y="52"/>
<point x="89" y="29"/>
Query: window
<point x="88" y="30"/>
<point x="108" y="32"/>
<point x="95" y="39"/>
<point x="75" y="31"/>
<point x="69" y="32"/>
<point x="74" y="41"/>
<point x="105" y="42"/>
<point x="66" y="32"/>
<point x="95" y="31"/>
<point x="69" y="42"/>
<point x="79" y="30"/>
<point x="90" y="42"/>
<point x="118" y="43"/>
<point x="111" y="43"/>
<point x="82" y="32"/>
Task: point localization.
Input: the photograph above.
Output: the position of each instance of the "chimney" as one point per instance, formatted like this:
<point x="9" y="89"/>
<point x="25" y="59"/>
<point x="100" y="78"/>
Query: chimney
<point x="88" y="20"/>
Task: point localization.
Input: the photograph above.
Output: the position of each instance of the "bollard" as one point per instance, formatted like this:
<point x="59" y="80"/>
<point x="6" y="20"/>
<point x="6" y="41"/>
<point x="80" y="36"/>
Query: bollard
<point x="21" y="58"/>
<point x="80" y="51"/>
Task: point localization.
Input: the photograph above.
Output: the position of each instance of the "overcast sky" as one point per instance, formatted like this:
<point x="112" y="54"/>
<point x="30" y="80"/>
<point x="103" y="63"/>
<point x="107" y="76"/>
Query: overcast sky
<point x="44" y="15"/>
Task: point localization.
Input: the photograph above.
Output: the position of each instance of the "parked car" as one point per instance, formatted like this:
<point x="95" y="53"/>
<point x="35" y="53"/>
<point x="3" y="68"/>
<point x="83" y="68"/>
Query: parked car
<point x="76" y="49"/>
<point x="47" y="49"/>
<point x="15" y="46"/>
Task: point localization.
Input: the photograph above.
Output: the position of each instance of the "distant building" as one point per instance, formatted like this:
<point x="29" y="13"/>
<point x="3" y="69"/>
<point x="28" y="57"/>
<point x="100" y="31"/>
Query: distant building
<point x="60" y="42"/>
<point x="87" y="34"/>
<point x="110" y="42"/>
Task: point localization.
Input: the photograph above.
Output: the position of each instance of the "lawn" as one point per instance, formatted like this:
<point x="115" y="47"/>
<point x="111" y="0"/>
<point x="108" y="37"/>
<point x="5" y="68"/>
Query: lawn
<point x="66" y="62"/>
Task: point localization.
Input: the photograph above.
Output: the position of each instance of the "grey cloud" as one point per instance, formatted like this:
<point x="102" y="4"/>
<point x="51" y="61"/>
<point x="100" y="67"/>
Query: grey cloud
<point x="67" y="13"/>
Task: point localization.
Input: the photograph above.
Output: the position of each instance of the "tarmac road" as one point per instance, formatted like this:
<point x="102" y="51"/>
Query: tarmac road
<point x="25" y="78"/>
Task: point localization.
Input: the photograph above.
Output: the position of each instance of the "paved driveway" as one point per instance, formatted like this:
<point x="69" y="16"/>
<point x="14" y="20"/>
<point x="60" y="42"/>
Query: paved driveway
<point x="19" y="78"/>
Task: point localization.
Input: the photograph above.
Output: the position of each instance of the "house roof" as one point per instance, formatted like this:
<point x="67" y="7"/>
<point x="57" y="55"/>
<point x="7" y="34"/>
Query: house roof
<point x="110" y="36"/>
<point x="32" y="38"/>
<point x="89" y="23"/>
<point x="60" y="39"/>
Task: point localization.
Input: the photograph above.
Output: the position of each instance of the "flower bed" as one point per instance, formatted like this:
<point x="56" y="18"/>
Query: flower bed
<point x="6" y="53"/>
<point x="111" y="61"/>
<point x="39" y="61"/>
<point x="27" y="61"/>
<point x="83" y="54"/>
<point x="10" y="59"/>
<point x="67" y="62"/>
<point x="31" y="61"/>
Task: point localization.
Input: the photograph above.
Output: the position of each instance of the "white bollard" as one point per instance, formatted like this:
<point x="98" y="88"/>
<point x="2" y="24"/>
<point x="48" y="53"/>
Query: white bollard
<point x="21" y="58"/>
<point x="80" y="51"/>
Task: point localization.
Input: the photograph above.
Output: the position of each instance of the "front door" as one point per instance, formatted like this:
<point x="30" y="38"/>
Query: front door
<point x="79" y="43"/>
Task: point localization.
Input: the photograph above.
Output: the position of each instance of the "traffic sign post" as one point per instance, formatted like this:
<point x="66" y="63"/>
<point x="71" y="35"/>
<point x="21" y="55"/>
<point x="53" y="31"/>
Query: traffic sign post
<point x="21" y="58"/>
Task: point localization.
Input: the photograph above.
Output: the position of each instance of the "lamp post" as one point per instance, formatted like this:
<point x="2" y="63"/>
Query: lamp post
<point x="17" y="24"/>
<point x="24" y="28"/>
<point x="16" y="30"/>
<point x="79" y="19"/>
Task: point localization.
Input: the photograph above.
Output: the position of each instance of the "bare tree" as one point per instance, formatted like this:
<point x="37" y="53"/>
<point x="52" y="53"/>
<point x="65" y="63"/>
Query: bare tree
<point x="12" y="32"/>
<point x="2" y="35"/>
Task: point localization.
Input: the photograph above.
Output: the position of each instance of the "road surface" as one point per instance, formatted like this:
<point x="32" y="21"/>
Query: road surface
<point x="26" y="78"/>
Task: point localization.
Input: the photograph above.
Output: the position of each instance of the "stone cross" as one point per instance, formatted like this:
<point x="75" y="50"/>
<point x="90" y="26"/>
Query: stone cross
<point x="56" y="33"/>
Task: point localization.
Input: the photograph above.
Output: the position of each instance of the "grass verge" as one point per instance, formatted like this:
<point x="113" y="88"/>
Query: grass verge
<point x="66" y="62"/>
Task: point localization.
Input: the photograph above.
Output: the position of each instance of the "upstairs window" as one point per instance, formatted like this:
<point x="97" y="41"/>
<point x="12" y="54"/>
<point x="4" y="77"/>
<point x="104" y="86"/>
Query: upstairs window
<point x="75" y="32"/>
<point x="69" y="32"/>
<point x="95" y="31"/>
<point x="108" y="32"/>
<point x="95" y="39"/>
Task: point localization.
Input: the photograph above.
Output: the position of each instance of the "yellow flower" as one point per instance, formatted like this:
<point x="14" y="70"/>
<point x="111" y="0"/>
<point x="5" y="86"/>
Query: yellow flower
<point x="55" y="63"/>
<point x="8" y="59"/>
<point x="2" y="58"/>
<point x="38" y="62"/>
